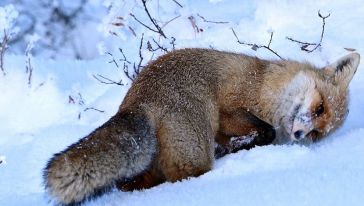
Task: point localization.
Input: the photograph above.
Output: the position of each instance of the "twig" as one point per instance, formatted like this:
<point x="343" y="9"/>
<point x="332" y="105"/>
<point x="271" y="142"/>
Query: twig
<point x="137" y="69"/>
<point x="81" y="102"/>
<point x="305" y="45"/>
<point x="92" y="108"/>
<point x="173" y="42"/>
<point x="132" y="15"/>
<point x="126" y="72"/>
<point x="300" y="42"/>
<point x="113" y="59"/>
<point x="106" y="80"/>
<point x="71" y="100"/>
<point x="255" y="47"/>
<point x="169" y="21"/>
<point x="125" y="59"/>
<point x="29" y="69"/>
<point x="214" y="22"/>
<point x="270" y="40"/>
<point x="132" y="31"/>
<point x="157" y="29"/>
<point x="177" y="3"/>
<point x="160" y="31"/>
<point x="125" y="66"/>
<point x="28" y="64"/>
<point x="3" y="48"/>
<point x="159" y="47"/>
<point x="194" y="24"/>
<point x="80" y="99"/>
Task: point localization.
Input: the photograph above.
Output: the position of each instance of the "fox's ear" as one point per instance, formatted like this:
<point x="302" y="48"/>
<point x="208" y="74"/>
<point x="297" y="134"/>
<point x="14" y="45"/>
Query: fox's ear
<point x="342" y="71"/>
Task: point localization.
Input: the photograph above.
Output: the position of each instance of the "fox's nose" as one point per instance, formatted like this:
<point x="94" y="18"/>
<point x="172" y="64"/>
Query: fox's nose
<point x="299" y="134"/>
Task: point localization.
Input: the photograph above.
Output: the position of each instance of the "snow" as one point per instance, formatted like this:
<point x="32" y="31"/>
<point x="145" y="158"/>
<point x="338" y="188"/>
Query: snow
<point x="2" y="160"/>
<point x="270" y="175"/>
<point x="39" y="120"/>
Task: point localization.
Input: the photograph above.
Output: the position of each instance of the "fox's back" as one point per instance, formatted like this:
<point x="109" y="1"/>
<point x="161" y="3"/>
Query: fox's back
<point x="200" y="74"/>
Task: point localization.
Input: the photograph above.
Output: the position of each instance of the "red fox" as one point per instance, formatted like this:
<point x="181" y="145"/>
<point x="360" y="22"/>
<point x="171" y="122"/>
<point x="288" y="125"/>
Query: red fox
<point x="191" y="106"/>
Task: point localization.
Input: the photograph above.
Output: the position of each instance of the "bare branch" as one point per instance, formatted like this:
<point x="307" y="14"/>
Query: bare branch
<point x="159" y="47"/>
<point x="173" y="42"/>
<point x="3" y="47"/>
<point x="300" y="42"/>
<point x="138" y="68"/>
<point x="106" y="80"/>
<point x="29" y="70"/>
<point x="82" y="103"/>
<point x="255" y="47"/>
<point x="174" y="18"/>
<point x="177" y="3"/>
<point x="194" y="24"/>
<point x="132" y="15"/>
<point x="132" y="31"/>
<point x="125" y="66"/>
<point x="71" y="100"/>
<point x="160" y="31"/>
<point x="39" y="85"/>
<point x="28" y="65"/>
<point x="214" y="22"/>
<point x="270" y="40"/>
<point x="80" y="99"/>
<point x="113" y="59"/>
<point x="94" y="109"/>
<point x="305" y="45"/>
<point x="157" y="29"/>
<point x="125" y="59"/>
<point x="126" y="72"/>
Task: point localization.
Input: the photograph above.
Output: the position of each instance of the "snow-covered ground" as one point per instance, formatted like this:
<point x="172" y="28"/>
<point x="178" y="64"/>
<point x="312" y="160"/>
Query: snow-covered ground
<point x="43" y="118"/>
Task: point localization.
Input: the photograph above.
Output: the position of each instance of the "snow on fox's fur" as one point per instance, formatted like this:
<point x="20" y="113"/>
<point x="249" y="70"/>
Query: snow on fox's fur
<point x="188" y="107"/>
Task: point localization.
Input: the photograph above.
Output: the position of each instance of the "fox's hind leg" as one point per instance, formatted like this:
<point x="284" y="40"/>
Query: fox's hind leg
<point x="145" y="180"/>
<point x="186" y="149"/>
<point x="186" y="145"/>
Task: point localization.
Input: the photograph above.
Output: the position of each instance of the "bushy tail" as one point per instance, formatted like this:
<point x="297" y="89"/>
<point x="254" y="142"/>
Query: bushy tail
<point x="121" y="148"/>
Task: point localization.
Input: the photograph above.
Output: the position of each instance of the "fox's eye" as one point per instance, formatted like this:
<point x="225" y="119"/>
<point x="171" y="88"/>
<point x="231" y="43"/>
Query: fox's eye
<point x="319" y="110"/>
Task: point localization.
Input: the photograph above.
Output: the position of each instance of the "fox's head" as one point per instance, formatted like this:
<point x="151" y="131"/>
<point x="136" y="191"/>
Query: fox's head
<point x="315" y="102"/>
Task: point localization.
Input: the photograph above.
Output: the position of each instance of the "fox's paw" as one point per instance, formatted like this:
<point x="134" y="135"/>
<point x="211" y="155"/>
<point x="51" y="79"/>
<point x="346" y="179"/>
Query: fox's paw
<point x="238" y="142"/>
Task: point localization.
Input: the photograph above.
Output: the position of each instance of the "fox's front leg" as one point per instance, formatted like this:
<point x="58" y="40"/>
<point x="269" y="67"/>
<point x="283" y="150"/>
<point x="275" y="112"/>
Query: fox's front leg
<point x="241" y="130"/>
<point x="234" y="144"/>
